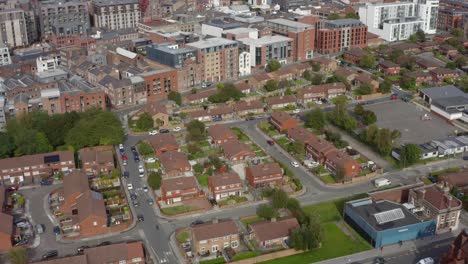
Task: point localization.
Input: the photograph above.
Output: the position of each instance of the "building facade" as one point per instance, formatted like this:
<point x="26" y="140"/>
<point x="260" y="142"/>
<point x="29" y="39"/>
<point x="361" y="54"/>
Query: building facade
<point x="14" y="31"/>
<point x="269" y="48"/>
<point x="334" y="36"/>
<point x="63" y="17"/>
<point x="116" y="14"/>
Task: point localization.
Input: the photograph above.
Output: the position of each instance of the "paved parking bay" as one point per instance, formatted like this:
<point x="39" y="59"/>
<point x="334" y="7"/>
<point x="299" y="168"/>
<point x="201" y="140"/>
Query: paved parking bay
<point x="406" y="117"/>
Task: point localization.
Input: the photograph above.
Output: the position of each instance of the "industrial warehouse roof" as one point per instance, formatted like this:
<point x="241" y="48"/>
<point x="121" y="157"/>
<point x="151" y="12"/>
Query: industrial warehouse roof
<point x="443" y="92"/>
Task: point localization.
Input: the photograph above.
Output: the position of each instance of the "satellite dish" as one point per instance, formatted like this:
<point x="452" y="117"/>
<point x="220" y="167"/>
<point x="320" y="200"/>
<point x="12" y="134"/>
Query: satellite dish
<point x="277" y="7"/>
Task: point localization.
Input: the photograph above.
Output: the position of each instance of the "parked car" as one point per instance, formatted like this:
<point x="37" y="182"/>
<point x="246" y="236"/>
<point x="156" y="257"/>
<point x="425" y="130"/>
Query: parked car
<point x="47" y="181"/>
<point x="465" y="157"/>
<point x="394" y="97"/>
<point x="81" y="249"/>
<point x="152" y="133"/>
<point x="379" y="260"/>
<point x="197" y="222"/>
<point x="121" y="146"/>
<point x="40" y="228"/>
<point x="270" y="142"/>
<point x="296" y="111"/>
<point x="145" y="188"/>
<point x="56" y="230"/>
<point x="141" y="168"/>
<point x="105" y="243"/>
<point x="150" y="201"/>
<point x="133" y="149"/>
<point x="124" y="157"/>
<point x="136" y="203"/>
<point x="164" y="131"/>
<point x="124" y="162"/>
<point x="150" y="160"/>
<point x="295" y="164"/>
<point x="133" y="196"/>
<point x="141" y="174"/>
<point x="140" y="218"/>
<point x="427" y="260"/>
<point x="217" y="119"/>
<point x="126" y="174"/>
<point x="382" y="182"/>
<point x="130" y="186"/>
<point x="50" y="254"/>
<point x="177" y="129"/>
<point x="250" y="118"/>
<point x="136" y="157"/>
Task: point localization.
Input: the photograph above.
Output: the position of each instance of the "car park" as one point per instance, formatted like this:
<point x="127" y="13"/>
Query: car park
<point x="177" y="129"/>
<point x="50" y="254"/>
<point x="164" y="131"/>
<point x="295" y="164"/>
<point x="130" y="186"/>
<point x="152" y="133"/>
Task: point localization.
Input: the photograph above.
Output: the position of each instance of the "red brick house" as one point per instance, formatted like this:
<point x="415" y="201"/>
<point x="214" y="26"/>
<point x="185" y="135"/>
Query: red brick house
<point x="243" y="87"/>
<point x="440" y="74"/>
<point x="179" y="189"/>
<point x="237" y="151"/>
<point x="426" y="64"/>
<point x="455" y="179"/>
<point x="389" y="68"/>
<point x="458" y="252"/>
<point x="337" y="160"/>
<point x="224" y="185"/>
<point x="319" y="148"/>
<point x="30" y="168"/>
<point x="326" y="65"/>
<point x="448" y="50"/>
<point x="6" y="231"/>
<point x="162" y="143"/>
<point x="202" y="115"/>
<point x="198" y="98"/>
<point x="276" y="102"/>
<point x="364" y="78"/>
<point x="272" y="233"/>
<point x="442" y="37"/>
<point x="214" y="236"/>
<point x="283" y="121"/>
<point x="420" y="77"/>
<point x="174" y="164"/>
<point x="244" y="108"/>
<point x="263" y="175"/>
<point x="354" y="55"/>
<point x="220" y="134"/>
<point x="97" y="160"/>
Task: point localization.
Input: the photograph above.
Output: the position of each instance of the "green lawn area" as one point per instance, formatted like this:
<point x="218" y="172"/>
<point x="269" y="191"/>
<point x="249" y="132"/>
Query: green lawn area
<point x="204" y="143"/>
<point x="260" y="153"/>
<point x="202" y="179"/>
<point x="426" y="180"/>
<point x="268" y="129"/>
<point x="154" y="165"/>
<point x="182" y="237"/>
<point x="233" y="200"/>
<point x="213" y="261"/>
<point x="328" y="179"/>
<point x="245" y="255"/>
<point x="394" y="78"/>
<point x="178" y="209"/>
<point x="335" y="244"/>
<point x="254" y="219"/>
<point x="361" y="160"/>
<point x="327" y="211"/>
<point x="240" y="134"/>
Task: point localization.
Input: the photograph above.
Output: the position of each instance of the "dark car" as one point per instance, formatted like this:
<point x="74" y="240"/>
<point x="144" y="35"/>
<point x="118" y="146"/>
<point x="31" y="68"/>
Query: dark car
<point x="133" y="149"/>
<point x="197" y="222"/>
<point x="56" y="230"/>
<point x="217" y="119"/>
<point x="250" y="118"/>
<point x="81" y="249"/>
<point x="140" y="218"/>
<point x="164" y="131"/>
<point x="50" y="254"/>
<point x="136" y="158"/>
<point x="133" y="196"/>
<point x="47" y="182"/>
<point x="22" y="242"/>
<point x="465" y="157"/>
<point x="150" y="201"/>
<point x="126" y="174"/>
<point x="432" y="179"/>
<point x="105" y="243"/>
<point x="270" y="142"/>
<point x="379" y="260"/>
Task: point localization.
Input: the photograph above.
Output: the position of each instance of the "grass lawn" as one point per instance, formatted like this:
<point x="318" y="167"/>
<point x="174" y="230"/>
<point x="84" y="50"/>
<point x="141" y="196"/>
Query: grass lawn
<point x="335" y="244"/>
<point x="426" y="180"/>
<point x="178" y="209"/>
<point x="203" y="179"/>
<point x="213" y="261"/>
<point x="260" y="153"/>
<point x="245" y="255"/>
<point x="154" y="165"/>
<point x="204" y="144"/>
<point x="233" y="200"/>
<point x="182" y="237"/>
<point x="394" y="78"/>
<point x="240" y="134"/>
<point x="361" y="160"/>
<point x="328" y="179"/>
<point x="327" y="211"/>
<point x="254" y="219"/>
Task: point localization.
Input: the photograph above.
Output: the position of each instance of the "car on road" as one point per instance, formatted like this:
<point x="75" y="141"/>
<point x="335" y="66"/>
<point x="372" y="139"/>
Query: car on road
<point x="150" y="201"/>
<point x="427" y="260"/>
<point x="136" y="157"/>
<point x="40" y="228"/>
<point x="379" y="260"/>
<point x="197" y="222"/>
<point x="270" y="142"/>
<point x="126" y="174"/>
<point x="150" y="160"/>
<point x="295" y="164"/>
<point x="124" y="157"/>
<point x="145" y="188"/>
<point x="177" y="129"/>
<point x="136" y="203"/>
<point x="130" y="186"/>
<point x="152" y="133"/>
<point x="296" y="111"/>
<point x="465" y="157"/>
<point x="140" y="218"/>
<point x="164" y="131"/>
<point x="133" y="149"/>
<point x="250" y="118"/>
<point x="105" y="243"/>
<point x="50" y="254"/>
<point x="217" y="119"/>
<point x="56" y="230"/>
<point x="133" y="196"/>
<point x="141" y="168"/>
<point x="121" y="146"/>
<point x="81" y="249"/>
<point x="141" y="174"/>
<point x="124" y="162"/>
<point x="48" y="181"/>
<point x="394" y="97"/>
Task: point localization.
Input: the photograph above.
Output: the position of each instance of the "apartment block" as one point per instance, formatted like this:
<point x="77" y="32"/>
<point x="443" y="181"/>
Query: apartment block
<point x="63" y="17"/>
<point x="159" y="83"/>
<point x="302" y="34"/>
<point x="14" y="31"/>
<point x="334" y="36"/>
<point x="264" y="49"/>
<point x="116" y="14"/>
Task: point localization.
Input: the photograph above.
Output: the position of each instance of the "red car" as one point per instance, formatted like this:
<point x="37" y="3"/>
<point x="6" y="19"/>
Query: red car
<point x="270" y="142"/>
<point x="394" y="97"/>
<point x="124" y="157"/>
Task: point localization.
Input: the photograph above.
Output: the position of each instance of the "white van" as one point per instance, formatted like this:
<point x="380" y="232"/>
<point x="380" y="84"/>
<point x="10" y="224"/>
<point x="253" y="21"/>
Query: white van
<point x="382" y="182"/>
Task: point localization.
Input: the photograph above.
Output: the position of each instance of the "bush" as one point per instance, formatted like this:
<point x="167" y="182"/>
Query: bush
<point x="154" y="180"/>
<point x="145" y="149"/>
<point x="145" y="122"/>
<point x="266" y="211"/>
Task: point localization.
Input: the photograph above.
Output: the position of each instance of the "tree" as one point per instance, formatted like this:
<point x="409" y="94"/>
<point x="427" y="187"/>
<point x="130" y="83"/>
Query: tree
<point x="339" y="174"/>
<point x="273" y="65"/>
<point x="462" y="82"/>
<point x="307" y="75"/>
<point x="408" y="82"/>
<point x="385" y="86"/>
<point x="413" y="38"/>
<point x="365" y="88"/>
<point x="461" y="61"/>
<point x="176" y="97"/>
<point x="369" y="134"/>
<point x="383" y="142"/>
<point x="457" y="32"/>
<point x="145" y="122"/>
<point x="289" y="91"/>
<point x="420" y="35"/>
<point x="294" y="206"/>
<point x="409" y="154"/>
<point x="266" y="211"/>
<point x="315" y="66"/>
<point x="317" y="79"/>
<point x="154" y="180"/>
<point x="395" y="54"/>
<point x="18" y="256"/>
<point x="367" y="61"/>
<point x="451" y="65"/>
<point x="333" y="16"/>
<point x="145" y="149"/>
<point x="315" y="119"/>
<point x="352" y="15"/>
<point x="42" y="143"/>
<point x="359" y="110"/>
<point x="7" y="146"/>
<point x="196" y="131"/>
<point x="279" y="199"/>
<point x="198" y="168"/>
<point x="217" y="163"/>
<point x="395" y="134"/>
<point x="225" y="93"/>
<point x="193" y="91"/>
<point x="271" y="85"/>
<point x="193" y="148"/>
<point x="369" y="117"/>
<point x="296" y="147"/>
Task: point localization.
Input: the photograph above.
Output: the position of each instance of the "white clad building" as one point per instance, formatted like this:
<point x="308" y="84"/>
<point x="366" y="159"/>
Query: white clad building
<point x="244" y="63"/>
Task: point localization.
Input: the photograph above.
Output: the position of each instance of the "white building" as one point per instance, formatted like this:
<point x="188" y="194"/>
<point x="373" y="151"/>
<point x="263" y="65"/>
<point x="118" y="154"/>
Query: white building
<point x="44" y="64"/>
<point x="399" y="20"/>
<point x="4" y="55"/>
<point x="2" y="113"/>
<point x="244" y="63"/>
<point x="116" y="14"/>
<point x="13" y="28"/>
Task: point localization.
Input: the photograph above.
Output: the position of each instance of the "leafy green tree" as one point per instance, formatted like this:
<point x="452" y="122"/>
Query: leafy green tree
<point x="369" y="117"/>
<point x="461" y="61"/>
<point x="18" y="256"/>
<point x="359" y="110"/>
<point x="42" y="143"/>
<point x="462" y="82"/>
<point x="273" y="65"/>
<point x="408" y="82"/>
<point x="383" y="142"/>
<point x="289" y="91"/>
<point x="7" y="146"/>
<point x="194" y="91"/>
<point x="145" y="149"/>
<point x="352" y="15"/>
<point x="369" y="134"/>
<point x="154" y="180"/>
<point x="225" y="93"/>
<point x="307" y="75"/>
<point x="296" y="147"/>
<point x="367" y="61"/>
<point x="395" y="54"/>
<point x="413" y="38"/>
<point x="196" y="131"/>
<point x="409" y="154"/>
<point x="315" y="66"/>
<point x="271" y="85"/>
<point x="175" y="96"/>
<point x="317" y="79"/>
<point x="365" y="88"/>
<point x="451" y="65"/>
<point x="349" y="123"/>
<point x="193" y="148"/>
<point x="395" y="134"/>
<point x="333" y="16"/>
<point x="457" y="32"/>
<point x="294" y="206"/>
<point x="420" y="35"/>
<point x="266" y="211"/>
<point x="385" y="86"/>
<point x="145" y="122"/>
<point x="198" y="168"/>
<point x="279" y="199"/>
<point x="315" y="119"/>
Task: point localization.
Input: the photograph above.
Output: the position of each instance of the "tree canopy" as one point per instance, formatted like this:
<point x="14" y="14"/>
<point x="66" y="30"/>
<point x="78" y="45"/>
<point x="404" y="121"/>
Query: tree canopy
<point x="154" y="180"/>
<point x="271" y="85"/>
<point x="409" y="154"/>
<point x="367" y="61"/>
<point x="196" y="131"/>
<point x="226" y="92"/>
<point x="385" y="86"/>
<point x="315" y="119"/>
<point x="175" y="96"/>
<point x="145" y="122"/>
<point x="273" y="65"/>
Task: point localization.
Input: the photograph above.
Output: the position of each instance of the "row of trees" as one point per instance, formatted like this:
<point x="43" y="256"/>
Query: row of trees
<point x="367" y="116"/>
<point x="380" y="138"/>
<point x="226" y="92"/>
<point x="37" y="132"/>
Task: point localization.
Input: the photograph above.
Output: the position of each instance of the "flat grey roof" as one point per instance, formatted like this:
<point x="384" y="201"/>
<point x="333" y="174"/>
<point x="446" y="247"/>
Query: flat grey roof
<point x="114" y="2"/>
<point x="443" y="92"/>
<point x="265" y="40"/>
<point x="211" y="42"/>
<point x="349" y="22"/>
<point x="290" y="23"/>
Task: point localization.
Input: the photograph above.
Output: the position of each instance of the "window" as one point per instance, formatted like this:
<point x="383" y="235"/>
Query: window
<point x="234" y="244"/>
<point x="226" y="244"/>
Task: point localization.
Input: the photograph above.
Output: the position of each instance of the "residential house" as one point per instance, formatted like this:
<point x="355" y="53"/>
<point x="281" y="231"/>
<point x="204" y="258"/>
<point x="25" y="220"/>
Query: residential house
<point x="273" y="233"/>
<point x="213" y="114"/>
<point x="220" y="134"/>
<point x="162" y="143"/>
<point x="6" y="232"/>
<point x="119" y="92"/>
<point x="215" y="236"/>
<point x="427" y="64"/>
<point x="281" y="101"/>
<point x="312" y="93"/>
<point x="364" y="78"/>
<point x="448" y="50"/>
<point x="407" y="48"/>
<point x="341" y="163"/>
<point x="283" y="121"/>
<point x="199" y="97"/>
<point x="179" y="189"/>
<point x="458" y="180"/>
<point x="158" y="113"/>
<point x="326" y="65"/>
<point x="224" y="185"/>
<point x="31" y="168"/>
<point x="420" y="77"/>
<point x="243" y="87"/>
<point x="97" y="160"/>
<point x="354" y="55"/>
<point x="258" y="81"/>
<point x="438" y="204"/>
<point x="175" y="164"/>
<point x="264" y="175"/>
<point x="440" y="74"/>
<point x="244" y="108"/>
<point x="318" y="148"/>
<point x="236" y="151"/>
<point x="346" y="73"/>
<point x="389" y="68"/>
<point x="457" y="253"/>
<point x="442" y="37"/>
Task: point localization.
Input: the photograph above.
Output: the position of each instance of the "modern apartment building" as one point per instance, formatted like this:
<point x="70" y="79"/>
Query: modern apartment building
<point x="399" y="20"/>
<point x="269" y="47"/>
<point x="13" y="28"/>
<point x="4" y="55"/>
<point x="339" y="35"/>
<point x="116" y="14"/>
<point x="302" y="34"/>
<point x="220" y="58"/>
<point x="2" y="113"/>
<point x="63" y="17"/>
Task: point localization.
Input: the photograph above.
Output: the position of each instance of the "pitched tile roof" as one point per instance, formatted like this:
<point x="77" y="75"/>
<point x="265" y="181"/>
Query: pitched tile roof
<point x="389" y="64"/>
<point x="6" y="223"/>
<point x="90" y="204"/>
<point x="215" y="230"/>
<point x="37" y="159"/>
<point x="100" y="155"/>
<point x="114" y="253"/>
<point x="154" y="108"/>
<point x="250" y="105"/>
<point x="281" y="99"/>
<point x="218" y="132"/>
<point x="234" y="147"/>
<point x="265" y="169"/>
<point x="163" y="141"/>
<point x="341" y="159"/>
<point x="179" y="183"/>
<point x="75" y="183"/>
<point x="200" y="95"/>
<point x="224" y="179"/>
<point x="437" y="197"/>
<point x="78" y="259"/>
<point x="281" y="116"/>
<point x="269" y="230"/>
<point x="459" y="179"/>
<point x="174" y="160"/>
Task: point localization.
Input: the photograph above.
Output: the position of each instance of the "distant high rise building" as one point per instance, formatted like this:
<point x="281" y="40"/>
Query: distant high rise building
<point x="116" y="14"/>
<point x="13" y="30"/>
